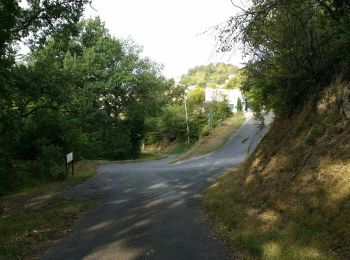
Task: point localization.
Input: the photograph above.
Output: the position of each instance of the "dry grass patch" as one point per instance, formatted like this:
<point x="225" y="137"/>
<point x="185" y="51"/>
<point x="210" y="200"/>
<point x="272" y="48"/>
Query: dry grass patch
<point x="218" y="137"/>
<point x="33" y="219"/>
<point x="291" y="198"/>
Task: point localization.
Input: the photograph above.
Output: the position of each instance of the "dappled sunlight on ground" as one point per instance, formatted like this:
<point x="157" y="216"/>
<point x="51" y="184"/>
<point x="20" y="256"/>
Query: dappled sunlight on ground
<point x="291" y="199"/>
<point x="151" y="209"/>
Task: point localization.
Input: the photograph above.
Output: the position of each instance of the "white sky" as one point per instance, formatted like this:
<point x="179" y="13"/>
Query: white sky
<point x="169" y="31"/>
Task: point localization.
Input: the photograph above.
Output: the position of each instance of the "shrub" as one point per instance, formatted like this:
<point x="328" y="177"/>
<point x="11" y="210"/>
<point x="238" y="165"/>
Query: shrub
<point x="50" y="162"/>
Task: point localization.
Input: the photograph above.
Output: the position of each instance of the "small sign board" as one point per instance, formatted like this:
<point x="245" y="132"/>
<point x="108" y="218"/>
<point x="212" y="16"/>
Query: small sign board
<point x="69" y="157"/>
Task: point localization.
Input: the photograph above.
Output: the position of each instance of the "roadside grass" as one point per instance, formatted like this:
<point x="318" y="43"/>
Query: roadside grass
<point x="27" y="229"/>
<point x="255" y="231"/>
<point x="180" y="148"/>
<point x="152" y="156"/>
<point x="218" y="137"/>
<point x="291" y="198"/>
<point x="31" y="219"/>
<point x="84" y="170"/>
<point x="143" y="157"/>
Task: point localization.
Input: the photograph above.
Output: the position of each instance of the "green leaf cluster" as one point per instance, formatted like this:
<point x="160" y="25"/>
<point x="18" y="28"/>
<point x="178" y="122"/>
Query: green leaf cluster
<point x="295" y="49"/>
<point x="209" y="75"/>
<point x="170" y="124"/>
<point x="85" y="92"/>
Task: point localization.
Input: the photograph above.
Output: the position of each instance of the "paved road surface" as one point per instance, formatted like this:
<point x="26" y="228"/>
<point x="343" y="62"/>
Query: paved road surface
<point x="150" y="209"/>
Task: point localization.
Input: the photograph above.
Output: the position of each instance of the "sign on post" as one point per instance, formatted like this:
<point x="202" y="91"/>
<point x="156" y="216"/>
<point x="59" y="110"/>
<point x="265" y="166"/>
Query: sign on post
<point x="70" y="159"/>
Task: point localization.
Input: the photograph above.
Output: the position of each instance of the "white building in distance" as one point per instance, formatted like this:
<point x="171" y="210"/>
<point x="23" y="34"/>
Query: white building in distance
<point x="232" y="96"/>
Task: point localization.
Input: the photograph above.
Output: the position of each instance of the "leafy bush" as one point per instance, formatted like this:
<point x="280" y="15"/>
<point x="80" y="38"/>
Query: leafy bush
<point x="196" y="96"/>
<point x="152" y="138"/>
<point x="219" y="110"/>
<point x="173" y="120"/>
<point x="51" y="162"/>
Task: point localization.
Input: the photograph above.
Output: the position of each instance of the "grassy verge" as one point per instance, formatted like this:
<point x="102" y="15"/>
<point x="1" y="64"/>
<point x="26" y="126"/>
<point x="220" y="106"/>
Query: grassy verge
<point x="83" y="171"/>
<point x="291" y="198"/>
<point x="179" y="148"/>
<point x="215" y="140"/>
<point x="26" y="229"/>
<point x="143" y="157"/>
<point x="33" y="218"/>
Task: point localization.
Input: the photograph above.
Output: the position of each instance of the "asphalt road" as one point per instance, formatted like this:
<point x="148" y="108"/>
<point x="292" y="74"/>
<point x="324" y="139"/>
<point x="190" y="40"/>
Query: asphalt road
<point x="150" y="210"/>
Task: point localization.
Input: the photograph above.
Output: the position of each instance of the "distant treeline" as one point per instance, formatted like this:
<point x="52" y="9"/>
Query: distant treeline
<point x="211" y="75"/>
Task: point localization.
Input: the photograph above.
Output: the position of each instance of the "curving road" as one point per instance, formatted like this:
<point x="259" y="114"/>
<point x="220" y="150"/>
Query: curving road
<point x="150" y="209"/>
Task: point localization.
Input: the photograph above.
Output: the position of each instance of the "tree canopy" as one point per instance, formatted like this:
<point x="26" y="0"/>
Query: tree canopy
<point x="295" y="49"/>
<point x="209" y="75"/>
<point x="85" y="92"/>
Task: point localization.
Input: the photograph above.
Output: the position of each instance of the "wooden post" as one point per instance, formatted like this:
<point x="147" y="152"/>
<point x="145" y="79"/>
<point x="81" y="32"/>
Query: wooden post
<point x="70" y="159"/>
<point x="73" y="168"/>
<point x="65" y="162"/>
<point x="187" y="127"/>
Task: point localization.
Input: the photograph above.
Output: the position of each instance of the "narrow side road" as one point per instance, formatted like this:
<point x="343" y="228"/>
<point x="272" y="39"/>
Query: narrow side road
<point x="150" y="209"/>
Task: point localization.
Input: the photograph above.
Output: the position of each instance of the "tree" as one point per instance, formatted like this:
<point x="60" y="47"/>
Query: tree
<point x="28" y="94"/>
<point x="236" y="82"/>
<point x="88" y="93"/>
<point x="196" y="96"/>
<point x="116" y="81"/>
<point x="212" y="74"/>
<point x="295" y="48"/>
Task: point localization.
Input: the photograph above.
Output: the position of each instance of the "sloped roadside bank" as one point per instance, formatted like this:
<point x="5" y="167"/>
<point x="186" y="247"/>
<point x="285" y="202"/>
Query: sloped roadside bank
<point x="291" y="198"/>
<point x="218" y="137"/>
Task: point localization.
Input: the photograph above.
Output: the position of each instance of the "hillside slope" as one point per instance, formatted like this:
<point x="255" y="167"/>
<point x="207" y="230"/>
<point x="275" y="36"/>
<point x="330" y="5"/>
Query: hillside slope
<point x="291" y="198"/>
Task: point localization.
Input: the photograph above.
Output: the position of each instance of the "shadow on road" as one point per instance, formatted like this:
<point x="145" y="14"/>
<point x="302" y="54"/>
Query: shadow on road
<point x="150" y="210"/>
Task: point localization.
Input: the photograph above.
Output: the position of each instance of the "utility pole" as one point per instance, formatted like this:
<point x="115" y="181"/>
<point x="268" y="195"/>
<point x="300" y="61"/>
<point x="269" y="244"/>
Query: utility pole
<point x="188" y="129"/>
<point x="209" y="122"/>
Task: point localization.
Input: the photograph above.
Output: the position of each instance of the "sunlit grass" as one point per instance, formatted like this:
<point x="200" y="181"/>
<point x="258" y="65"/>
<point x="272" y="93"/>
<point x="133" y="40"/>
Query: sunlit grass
<point x="30" y="220"/>
<point x="218" y="137"/>
<point x="28" y="229"/>
<point x="277" y="205"/>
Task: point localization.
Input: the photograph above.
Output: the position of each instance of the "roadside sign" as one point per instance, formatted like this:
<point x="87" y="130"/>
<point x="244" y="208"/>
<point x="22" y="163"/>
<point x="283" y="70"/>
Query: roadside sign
<point x="69" y="157"/>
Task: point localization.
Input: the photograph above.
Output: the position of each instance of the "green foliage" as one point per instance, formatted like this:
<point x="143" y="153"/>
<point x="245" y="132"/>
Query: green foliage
<point x="295" y="47"/>
<point x="88" y="93"/>
<point x="236" y="82"/>
<point x="172" y="121"/>
<point x="28" y="90"/>
<point x="50" y="162"/>
<point x="219" y="112"/>
<point x="196" y="96"/>
<point x="209" y="75"/>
